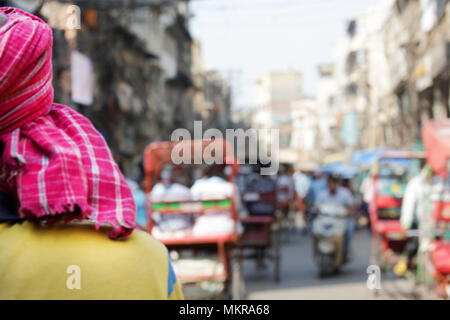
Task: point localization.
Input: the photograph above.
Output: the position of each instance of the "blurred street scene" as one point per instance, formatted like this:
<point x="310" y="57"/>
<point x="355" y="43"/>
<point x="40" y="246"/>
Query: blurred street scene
<point x="357" y="93"/>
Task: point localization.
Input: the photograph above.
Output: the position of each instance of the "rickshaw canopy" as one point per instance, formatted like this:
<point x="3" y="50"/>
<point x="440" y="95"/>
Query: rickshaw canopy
<point x="396" y="157"/>
<point x="344" y="170"/>
<point x="436" y="140"/>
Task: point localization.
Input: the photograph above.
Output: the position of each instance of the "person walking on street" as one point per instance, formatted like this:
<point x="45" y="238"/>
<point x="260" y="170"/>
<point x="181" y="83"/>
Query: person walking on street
<point x="409" y="219"/>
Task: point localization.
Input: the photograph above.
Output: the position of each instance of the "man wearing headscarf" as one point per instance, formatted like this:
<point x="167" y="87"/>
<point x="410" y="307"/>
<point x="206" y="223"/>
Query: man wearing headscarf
<point x="66" y="191"/>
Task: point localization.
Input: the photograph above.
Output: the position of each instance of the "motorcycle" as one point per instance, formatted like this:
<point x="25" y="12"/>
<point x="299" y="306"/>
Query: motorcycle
<point x="328" y="231"/>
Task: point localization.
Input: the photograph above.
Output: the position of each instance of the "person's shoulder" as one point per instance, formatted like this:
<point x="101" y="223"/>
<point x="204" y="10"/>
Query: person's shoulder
<point x="141" y="240"/>
<point x="140" y="259"/>
<point x="82" y="242"/>
<point x="140" y="250"/>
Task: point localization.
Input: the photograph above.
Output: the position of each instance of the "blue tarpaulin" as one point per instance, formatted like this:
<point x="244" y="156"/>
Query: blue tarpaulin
<point x="367" y="157"/>
<point x="340" y="168"/>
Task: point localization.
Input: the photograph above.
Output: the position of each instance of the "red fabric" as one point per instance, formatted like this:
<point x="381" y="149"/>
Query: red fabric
<point x="436" y="140"/>
<point x="53" y="159"/>
<point x="441" y="257"/>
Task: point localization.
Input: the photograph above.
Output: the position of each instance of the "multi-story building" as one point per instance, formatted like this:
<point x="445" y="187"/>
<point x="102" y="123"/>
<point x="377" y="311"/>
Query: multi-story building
<point x="416" y="38"/>
<point x="212" y="97"/>
<point x="306" y="130"/>
<point x="275" y="93"/>
<point x="352" y="83"/>
<point x="401" y="32"/>
<point x="277" y="90"/>
<point x="432" y="66"/>
<point x="327" y="111"/>
<point x="393" y="72"/>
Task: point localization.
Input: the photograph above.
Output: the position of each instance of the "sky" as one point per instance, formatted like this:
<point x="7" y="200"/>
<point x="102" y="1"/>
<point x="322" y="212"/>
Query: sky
<point x="244" y="39"/>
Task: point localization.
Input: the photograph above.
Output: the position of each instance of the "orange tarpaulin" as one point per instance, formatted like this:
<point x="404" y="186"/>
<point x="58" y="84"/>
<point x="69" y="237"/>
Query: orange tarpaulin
<point x="436" y="140"/>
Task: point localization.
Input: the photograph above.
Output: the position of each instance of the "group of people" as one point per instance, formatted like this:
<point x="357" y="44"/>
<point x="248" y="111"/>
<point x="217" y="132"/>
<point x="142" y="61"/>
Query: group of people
<point x="208" y="184"/>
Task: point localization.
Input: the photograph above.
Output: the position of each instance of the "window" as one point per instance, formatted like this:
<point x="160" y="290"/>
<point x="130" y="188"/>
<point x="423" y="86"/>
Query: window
<point x="352" y="90"/>
<point x="401" y="5"/>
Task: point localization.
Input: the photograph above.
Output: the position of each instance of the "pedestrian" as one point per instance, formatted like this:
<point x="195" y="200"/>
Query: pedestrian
<point x="410" y="218"/>
<point x="302" y="183"/>
<point x="67" y="192"/>
<point x="367" y="190"/>
<point x="318" y="184"/>
<point x="285" y="189"/>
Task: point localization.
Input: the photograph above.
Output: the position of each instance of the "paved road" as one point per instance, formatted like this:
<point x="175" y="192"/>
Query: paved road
<point x="300" y="279"/>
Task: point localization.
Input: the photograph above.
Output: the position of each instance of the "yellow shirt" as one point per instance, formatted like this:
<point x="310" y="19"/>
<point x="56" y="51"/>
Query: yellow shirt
<point x="77" y="262"/>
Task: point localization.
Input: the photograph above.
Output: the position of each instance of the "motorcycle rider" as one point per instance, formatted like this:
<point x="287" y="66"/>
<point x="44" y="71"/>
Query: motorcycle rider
<point x="343" y="197"/>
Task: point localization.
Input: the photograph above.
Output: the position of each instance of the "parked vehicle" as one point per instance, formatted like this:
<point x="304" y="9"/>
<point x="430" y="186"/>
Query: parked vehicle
<point x="329" y="234"/>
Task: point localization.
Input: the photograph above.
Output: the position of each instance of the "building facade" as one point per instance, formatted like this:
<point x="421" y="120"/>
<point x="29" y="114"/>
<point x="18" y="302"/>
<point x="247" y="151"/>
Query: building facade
<point x="393" y="72"/>
<point x="128" y="66"/>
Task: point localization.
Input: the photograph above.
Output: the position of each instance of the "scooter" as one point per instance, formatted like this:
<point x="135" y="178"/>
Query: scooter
<point x="328" y="231"/>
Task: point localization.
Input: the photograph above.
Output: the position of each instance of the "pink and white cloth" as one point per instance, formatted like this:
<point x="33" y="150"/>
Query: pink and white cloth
<point x="54" y="160"/>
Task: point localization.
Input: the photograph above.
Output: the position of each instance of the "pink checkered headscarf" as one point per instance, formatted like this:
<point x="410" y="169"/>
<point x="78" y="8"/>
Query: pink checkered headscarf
<point x="53" y="159"/>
